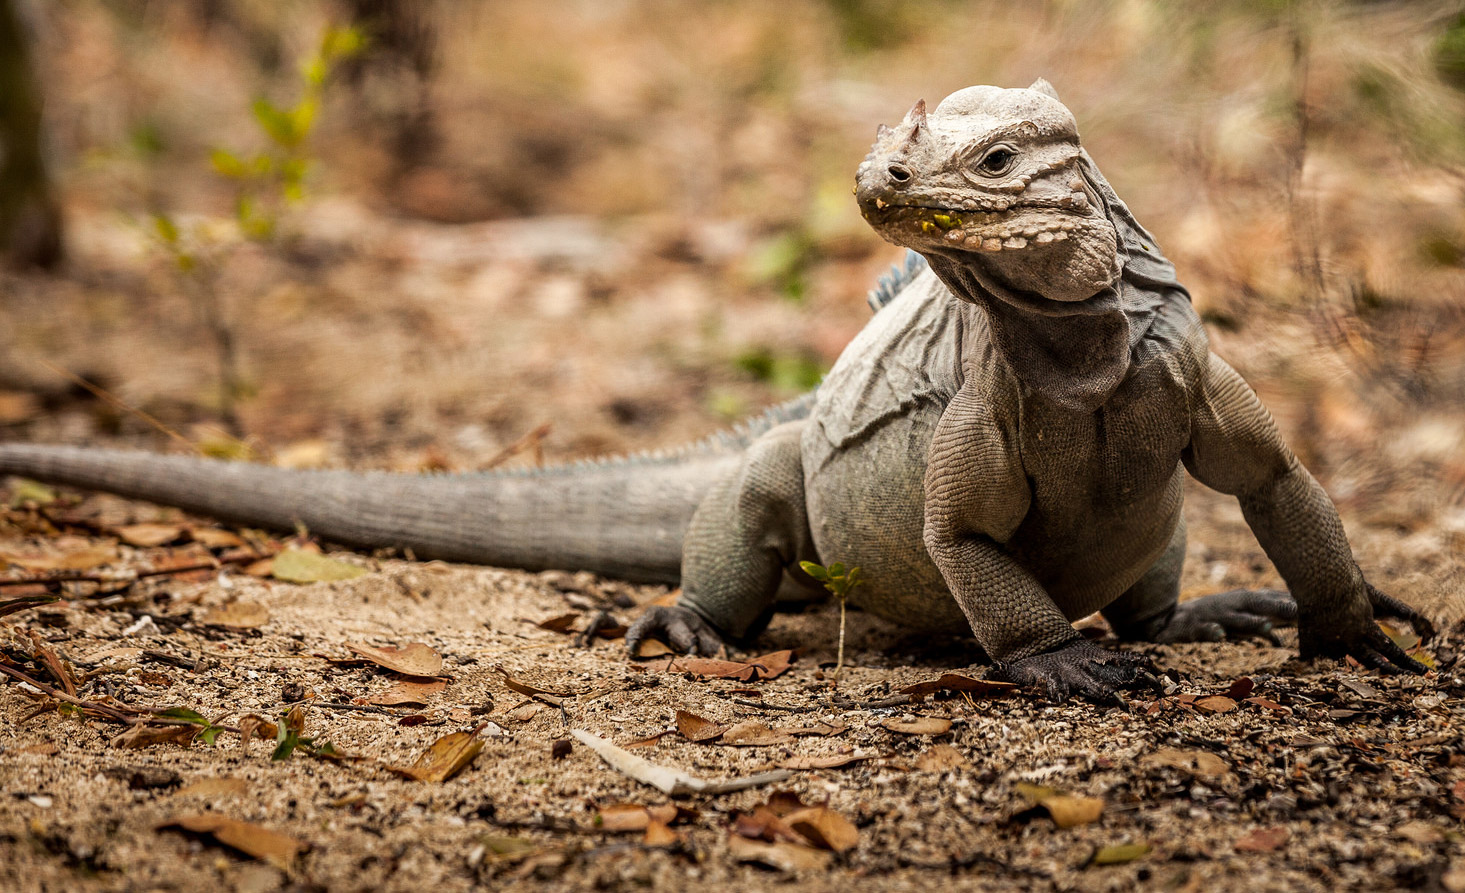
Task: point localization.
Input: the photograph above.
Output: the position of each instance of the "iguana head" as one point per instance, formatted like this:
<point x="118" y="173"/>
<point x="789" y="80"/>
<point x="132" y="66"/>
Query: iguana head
<point x="995" y="180"/>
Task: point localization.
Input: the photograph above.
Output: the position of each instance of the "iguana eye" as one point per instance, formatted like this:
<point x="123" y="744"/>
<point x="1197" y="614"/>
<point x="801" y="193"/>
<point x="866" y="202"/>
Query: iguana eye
<point x="996" y="161"/>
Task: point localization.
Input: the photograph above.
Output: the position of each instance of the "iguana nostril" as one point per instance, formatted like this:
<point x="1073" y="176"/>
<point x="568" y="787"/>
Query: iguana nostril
<point x="899" y="173"/>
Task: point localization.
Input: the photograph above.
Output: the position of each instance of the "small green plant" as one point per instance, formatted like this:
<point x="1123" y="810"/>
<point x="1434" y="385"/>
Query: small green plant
<point x="208" y="733"/>
<point x="288" y="738"/>
<point x="266" y="184"/>
<point x="840" y="584"/>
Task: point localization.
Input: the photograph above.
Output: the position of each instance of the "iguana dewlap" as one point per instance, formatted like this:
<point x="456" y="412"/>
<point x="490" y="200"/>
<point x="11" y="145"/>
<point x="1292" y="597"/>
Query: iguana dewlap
<point x="1002" y="449"/>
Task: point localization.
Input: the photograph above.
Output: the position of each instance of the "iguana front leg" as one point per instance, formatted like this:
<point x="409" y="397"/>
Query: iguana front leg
<point x="976" y="496"/>
<point x="1235" y="448"/>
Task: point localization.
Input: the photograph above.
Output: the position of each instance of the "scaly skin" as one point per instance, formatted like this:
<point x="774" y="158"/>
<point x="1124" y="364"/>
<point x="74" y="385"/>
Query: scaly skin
<point x="1001" y="449"/>
<point x="1005" y="443"/>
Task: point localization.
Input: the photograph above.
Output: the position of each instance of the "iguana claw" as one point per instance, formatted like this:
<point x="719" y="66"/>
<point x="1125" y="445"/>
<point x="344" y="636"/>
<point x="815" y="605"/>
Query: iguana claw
<point x="1095" y="673"/>
<point x="685" y="630"/>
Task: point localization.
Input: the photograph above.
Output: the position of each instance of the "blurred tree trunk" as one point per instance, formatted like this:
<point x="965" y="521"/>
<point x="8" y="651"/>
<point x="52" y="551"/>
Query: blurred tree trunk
<point x="30" y="219"/>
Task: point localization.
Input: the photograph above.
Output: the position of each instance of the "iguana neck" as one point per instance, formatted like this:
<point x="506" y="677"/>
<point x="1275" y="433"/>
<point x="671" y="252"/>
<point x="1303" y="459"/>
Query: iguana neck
<point x="1075" y="353"/>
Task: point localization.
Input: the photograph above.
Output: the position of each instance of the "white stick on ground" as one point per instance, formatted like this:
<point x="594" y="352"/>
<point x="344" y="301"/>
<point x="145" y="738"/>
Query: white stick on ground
<point x="666" y="779"/>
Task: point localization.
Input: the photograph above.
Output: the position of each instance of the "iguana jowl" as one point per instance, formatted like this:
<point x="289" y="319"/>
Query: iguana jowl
<point x="1002" y="448"/>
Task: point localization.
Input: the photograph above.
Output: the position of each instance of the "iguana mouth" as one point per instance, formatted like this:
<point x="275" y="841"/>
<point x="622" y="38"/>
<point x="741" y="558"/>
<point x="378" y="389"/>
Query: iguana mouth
<point x="980" y="228"/>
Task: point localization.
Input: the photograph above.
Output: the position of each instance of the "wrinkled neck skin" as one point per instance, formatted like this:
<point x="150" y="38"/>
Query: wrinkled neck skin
<point x="1074" y="352"/>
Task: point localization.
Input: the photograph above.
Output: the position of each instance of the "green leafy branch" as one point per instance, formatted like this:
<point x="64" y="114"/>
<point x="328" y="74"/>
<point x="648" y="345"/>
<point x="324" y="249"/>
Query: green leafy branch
<point x="840" y="584"/>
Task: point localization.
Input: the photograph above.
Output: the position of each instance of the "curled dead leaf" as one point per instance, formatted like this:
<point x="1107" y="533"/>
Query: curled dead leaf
<point x="1215" y="704"/>
<point x="824" y="828"/>
<point x="446" y="757"/>
<point x="790" y="857"/>
<point x="919" y="725"/>
<point x="253" y="840"/>
<point x="756" y="669"/>
<point x="634" y="817"/>
<point x="408" y="692"/>
<point x="752" y="733"/>
<point x="695" y="728"/>
<point x="941" y="758"/>
<point x="1067" y="810"/>
<point x="147" y="536"/>
<point x="954" y="682"/>
<point x="412" y="659"/>
<point x="215" y="788"/>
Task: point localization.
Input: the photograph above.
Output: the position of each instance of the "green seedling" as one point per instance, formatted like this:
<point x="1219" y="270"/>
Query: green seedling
<point x="840" y="584"/>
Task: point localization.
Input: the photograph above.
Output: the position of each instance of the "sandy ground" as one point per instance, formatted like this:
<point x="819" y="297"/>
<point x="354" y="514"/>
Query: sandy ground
<point x="1334" y="779"/>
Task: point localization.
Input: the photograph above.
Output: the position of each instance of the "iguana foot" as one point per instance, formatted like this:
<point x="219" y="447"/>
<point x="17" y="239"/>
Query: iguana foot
<point x="1229" y="615"/>
<point x="1083" y="668"/>
<point x="1358" y="636"/>
<point x="685" y="630"/>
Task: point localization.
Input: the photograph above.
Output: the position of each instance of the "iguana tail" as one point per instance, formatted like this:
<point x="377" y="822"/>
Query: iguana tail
<point x="622" y="517"/>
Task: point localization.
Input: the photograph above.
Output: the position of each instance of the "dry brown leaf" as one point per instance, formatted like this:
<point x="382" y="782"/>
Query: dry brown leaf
<point x="1196" y="762"/>
<point x="634" y="817"/>
<point x="407" y="692"/>
<point x="524" y="712"/>
<point x="238" y="615"/>
<point x="148" y="536"/>
<point x="223" y="786"/>
<point x="653" y="648"/>
<point x="214" y="538"/>
<point x="1067" y="810"/>
<point x="265" y="567"/>
<point x="694" y="728"/>
<point x="1215" y="704"/>
<point x="789" y="857"/>
<point x="833" y="761"/>
<point x="252" y="725"/>
<point x="412" y="659"/>
<point x="752" y="733"/>
<point x="149" y="736"/>
<point x="446" y="757"/>
<point x="824" y="828"/>
<point x="757" y="669"/>
<point x="1262" y="840"/>
<point x="659" y="834"/>
<point x="557" y="698"/>
<point x="920" y="725"/>
<point x="561" y="623"/>
<point x="78" y="560"/>
<point x="250" y="839"/>
<point x="18" y="406"/>
<point x="941" y="758"/>
<point x="954" y="682"/>
<point x="1267" y="704"/>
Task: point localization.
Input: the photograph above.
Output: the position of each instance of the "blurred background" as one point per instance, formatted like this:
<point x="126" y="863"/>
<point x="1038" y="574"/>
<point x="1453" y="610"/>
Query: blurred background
<point x="450" y="234"/>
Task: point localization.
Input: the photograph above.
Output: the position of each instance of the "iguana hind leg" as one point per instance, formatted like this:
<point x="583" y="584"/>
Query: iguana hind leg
<point x="750" y="529"/>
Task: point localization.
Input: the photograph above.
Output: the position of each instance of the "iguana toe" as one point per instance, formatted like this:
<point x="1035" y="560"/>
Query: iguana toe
<point x="684" y="629"/>
<point x="1237" y="614"/>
